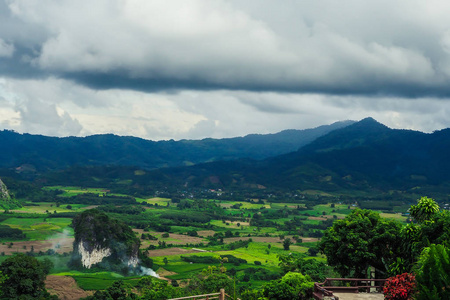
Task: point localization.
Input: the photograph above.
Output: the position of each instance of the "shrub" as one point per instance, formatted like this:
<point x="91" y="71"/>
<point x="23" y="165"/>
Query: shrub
<point x="200" y="259"/>
<point x="400" y="287"/>
<point x="291" y="286"/>
<point x="233" y="259"/>
<point x="433" y="274"/>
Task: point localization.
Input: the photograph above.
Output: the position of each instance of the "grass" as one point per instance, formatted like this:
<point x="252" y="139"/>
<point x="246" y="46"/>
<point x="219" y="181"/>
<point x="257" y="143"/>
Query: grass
<point x="98" y="280"/>
<point x="40" y="228"/>
<point x="46" y="207"/>
<point x="244" y="205"/>
<point x="69" y="191"/>
<point x="254" y="252"/>
<point x="394" y="216"/>
<point x="220" y="226"/>
<point x="156" y="200"/>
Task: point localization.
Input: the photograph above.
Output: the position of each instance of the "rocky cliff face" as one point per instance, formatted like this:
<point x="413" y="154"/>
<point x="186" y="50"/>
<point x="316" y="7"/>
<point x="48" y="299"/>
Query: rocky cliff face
<point x="4" y="194"/>
<point x="6" y="200"/>
<point x="95" y="256"/>
<point x="103" y="242"/>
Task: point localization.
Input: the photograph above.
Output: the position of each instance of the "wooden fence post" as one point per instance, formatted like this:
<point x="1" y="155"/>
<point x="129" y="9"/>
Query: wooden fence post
<point x="222" y="294"/>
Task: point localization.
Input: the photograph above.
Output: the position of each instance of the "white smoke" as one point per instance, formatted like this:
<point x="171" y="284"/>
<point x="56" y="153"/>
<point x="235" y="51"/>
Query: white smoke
<point x="143" y="271"/>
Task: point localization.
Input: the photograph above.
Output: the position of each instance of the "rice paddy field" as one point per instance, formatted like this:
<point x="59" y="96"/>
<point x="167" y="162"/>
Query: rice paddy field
<point x="45" y="231"/>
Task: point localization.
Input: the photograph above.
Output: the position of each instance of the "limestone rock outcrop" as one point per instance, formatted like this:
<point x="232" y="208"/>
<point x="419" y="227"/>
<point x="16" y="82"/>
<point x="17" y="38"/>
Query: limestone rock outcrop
<point x="103" y="242"/>
<point x="4" y="194"/>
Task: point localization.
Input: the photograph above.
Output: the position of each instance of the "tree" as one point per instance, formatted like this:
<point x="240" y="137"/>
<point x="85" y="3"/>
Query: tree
<point x="433" y="227"/>
<point x="361" y="240"/>
<point x="296" y="262"/>
<point x="211" y="280"/>
<point x="313" y="251"/>
<point x="425" y="209"/>
<point x="287" y="243"/>
<point x="165" y="261"/>
<point x="25" y="277"/>
<point x="291" y="286"/>
<point x="155" y="289"/>
<point x="117" y="291"/>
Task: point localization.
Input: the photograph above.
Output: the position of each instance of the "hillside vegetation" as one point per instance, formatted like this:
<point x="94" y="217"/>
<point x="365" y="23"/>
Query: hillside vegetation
<point x="31" y="153"/>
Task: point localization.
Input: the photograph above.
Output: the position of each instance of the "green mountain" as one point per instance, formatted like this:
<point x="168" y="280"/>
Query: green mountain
<point x="28" y="153"/>
<point x="365" y="156"/>
<point x="6" y="202"/>
<point x="4" y="194"/>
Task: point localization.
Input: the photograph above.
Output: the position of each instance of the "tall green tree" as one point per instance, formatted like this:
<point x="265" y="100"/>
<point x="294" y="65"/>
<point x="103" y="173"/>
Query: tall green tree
<point x="295" y="262"/>
<point x="361" y="240"/>
<point x="211" y="280"/>
<point x="432" y="227"/>
<point x="287" y="243"/>
<point x="424" y="210"/>
<point x="25" y="278"/>
<point x="292" y="286"/>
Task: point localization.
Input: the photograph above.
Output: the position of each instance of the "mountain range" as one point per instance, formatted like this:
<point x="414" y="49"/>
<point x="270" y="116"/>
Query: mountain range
<point x="42" y="153"/>
<point x="364" y="155"/>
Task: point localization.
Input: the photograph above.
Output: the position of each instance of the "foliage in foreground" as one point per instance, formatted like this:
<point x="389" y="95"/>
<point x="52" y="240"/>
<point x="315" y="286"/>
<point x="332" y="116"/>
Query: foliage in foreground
<point x="24" y="278"/>
<point x="433" y="274"/>
<point x="400" y="287"/>
<point x="361" y="240"/>
<point x="295" y="286"/>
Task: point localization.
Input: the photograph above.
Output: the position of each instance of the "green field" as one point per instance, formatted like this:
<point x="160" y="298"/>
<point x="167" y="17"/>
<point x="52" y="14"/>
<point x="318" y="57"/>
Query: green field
<point x="41" y="228"/>
<point x="69" y="191"/>
<point x="225" y="216"/>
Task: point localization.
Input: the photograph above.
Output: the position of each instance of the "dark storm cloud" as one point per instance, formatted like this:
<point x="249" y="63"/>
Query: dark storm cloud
<point x="319" y="47"/>
<point x="18" y="65"/>
<point x="366" y="86"/>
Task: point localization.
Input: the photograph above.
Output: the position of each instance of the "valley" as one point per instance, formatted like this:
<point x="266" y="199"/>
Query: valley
<point x="246" y="225"/>
<point x="197" y="234"/>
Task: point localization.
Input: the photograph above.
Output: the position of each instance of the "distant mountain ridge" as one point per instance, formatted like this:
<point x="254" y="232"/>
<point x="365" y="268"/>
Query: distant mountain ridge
<point x="364" y="157"/>
<point x="366" y="154"/>
<point x="35" y="152"/>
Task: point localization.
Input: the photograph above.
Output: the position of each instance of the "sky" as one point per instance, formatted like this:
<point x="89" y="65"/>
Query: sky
<point x="190" y="69"/>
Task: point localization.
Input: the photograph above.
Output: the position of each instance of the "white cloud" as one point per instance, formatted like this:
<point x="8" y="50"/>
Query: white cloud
<point x="320" y="46"/>
<point x="6" y="50"/>
<point x="54" y="109"/>
<point x="41" y="118"/>
<point x="229" y="68"/>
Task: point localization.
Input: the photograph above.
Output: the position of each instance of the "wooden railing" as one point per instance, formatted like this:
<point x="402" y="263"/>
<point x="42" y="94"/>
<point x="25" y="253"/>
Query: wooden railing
<point x="220" y="295"/>
<point x="355" y="285"/>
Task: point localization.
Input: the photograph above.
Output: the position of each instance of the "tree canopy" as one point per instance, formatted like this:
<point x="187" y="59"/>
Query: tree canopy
<point x="24" y="278"/>
<point x="361" y="240"/>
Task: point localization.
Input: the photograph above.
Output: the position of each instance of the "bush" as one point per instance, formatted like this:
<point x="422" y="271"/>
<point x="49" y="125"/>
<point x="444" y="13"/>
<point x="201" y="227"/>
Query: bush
<point x="400" y="287"/>
<point x="433" y="274"/>
<point x="7" y="232"/>
<point x="291" y="286"/>
<point x="200" y="259"/>
<point x="233" y="259"/>
<point x="24" y="277"/>
<point x="258" y="263"/>
<point x="313" y="251"/>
